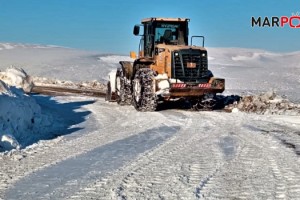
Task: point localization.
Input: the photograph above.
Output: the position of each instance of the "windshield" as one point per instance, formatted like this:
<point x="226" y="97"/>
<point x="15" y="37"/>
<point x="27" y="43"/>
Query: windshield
<point x="170" y="33"/>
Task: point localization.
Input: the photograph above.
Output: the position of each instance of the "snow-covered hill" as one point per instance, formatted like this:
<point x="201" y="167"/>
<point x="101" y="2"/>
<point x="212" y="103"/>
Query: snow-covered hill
<point x="252" y="70"/>
<point x="58" y="62"/>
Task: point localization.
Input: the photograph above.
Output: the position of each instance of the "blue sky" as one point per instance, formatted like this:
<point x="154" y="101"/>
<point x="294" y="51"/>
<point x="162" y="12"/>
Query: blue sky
<point x="106" y="26"/>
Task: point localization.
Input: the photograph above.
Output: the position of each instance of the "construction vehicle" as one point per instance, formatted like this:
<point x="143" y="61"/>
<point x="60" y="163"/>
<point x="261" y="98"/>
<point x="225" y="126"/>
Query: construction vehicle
<point x="168" y="68"/>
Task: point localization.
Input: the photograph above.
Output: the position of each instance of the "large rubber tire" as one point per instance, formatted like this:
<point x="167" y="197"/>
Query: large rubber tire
<point x="123" y="89"/>
<point x="143" y="96"/>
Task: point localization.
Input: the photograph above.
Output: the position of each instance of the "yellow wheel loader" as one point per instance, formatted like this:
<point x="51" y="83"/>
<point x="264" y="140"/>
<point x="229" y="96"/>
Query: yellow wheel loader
<point x="168" y="68"/>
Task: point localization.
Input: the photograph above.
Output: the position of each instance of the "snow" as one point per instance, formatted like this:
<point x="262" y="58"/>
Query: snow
<point x="249" y="71"/>
<point x="89" y="84"/>
<point x="17" y="77"/>
<point x="21" y="118"/>
<point x="6" y="46"/>
<point x="235" y="110"/>
<point x="9" y="142"/>
<point x="91" y="149"/>
<point x="115" y="59"/>
<point x="59" y="63"/>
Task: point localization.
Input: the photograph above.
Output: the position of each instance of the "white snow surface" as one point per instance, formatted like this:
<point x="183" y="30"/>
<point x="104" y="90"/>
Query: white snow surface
<point x="21" y="118"/>
<point x="253" y="70"/>
<point x="85" y="148"/>
<point x="59" y="63"/>
<point x="17" y="77"/>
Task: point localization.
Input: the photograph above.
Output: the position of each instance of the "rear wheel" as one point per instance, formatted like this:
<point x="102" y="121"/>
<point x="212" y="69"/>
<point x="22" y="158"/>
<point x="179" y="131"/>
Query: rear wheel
<point x="123" y="89"/>
<point x="144" y="97"/>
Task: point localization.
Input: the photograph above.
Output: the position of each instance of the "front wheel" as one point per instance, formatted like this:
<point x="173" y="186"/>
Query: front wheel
<point x="144" y="97"/>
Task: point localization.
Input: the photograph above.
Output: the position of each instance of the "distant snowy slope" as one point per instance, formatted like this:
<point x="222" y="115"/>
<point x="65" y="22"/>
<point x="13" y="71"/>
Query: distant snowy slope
<point x="250" y="57"/>
<point x="58" y="62"/>
<point x="250" y="70"/>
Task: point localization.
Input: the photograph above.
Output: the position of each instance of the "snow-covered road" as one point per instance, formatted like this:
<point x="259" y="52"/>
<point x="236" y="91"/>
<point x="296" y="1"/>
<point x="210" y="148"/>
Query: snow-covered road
<point x="118" y="153"/>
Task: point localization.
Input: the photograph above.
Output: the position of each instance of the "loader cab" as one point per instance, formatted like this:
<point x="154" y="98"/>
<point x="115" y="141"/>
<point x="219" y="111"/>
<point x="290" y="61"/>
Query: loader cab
<point x="166" y="31"/>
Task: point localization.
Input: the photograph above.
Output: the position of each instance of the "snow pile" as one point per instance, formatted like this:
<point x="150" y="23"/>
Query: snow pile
<point x="115" y="59"/>
<point x="267" y="103"/>
<point x="91" y="85"/>
<point x="20" y="116"/>
<point x="17" y="77"/>
<point x="94" y="84"/>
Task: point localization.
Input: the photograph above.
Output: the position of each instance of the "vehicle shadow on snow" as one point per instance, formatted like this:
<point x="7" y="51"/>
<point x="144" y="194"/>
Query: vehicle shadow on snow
<point x="58" y="118"/>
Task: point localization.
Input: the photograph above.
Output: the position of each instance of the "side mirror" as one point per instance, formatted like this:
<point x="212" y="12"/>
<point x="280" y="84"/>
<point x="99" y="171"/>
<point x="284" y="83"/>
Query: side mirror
<point x="136" y="30"/>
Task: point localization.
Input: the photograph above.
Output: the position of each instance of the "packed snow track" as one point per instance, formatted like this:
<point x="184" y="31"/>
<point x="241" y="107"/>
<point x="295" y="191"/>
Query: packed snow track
<point x="119" y="153"/>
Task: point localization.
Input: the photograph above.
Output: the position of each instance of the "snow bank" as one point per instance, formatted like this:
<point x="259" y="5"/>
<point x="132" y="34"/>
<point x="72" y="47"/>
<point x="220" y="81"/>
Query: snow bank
<point x="115" y="58"/>
<point x="93" y="84"/>
<point x="17" y="77"/>
<point x="267" y="103"/>
<point x="20" y="116"/>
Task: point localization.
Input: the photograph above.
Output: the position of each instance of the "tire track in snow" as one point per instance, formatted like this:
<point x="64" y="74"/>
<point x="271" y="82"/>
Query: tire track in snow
<point x="65" y="178"/>
<point x="126" y="122"/>
<point x="285" y="161"/>
<point x="263" y="169"/>
<point x="232" y="162"/>
<point x="171" y="171"/>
